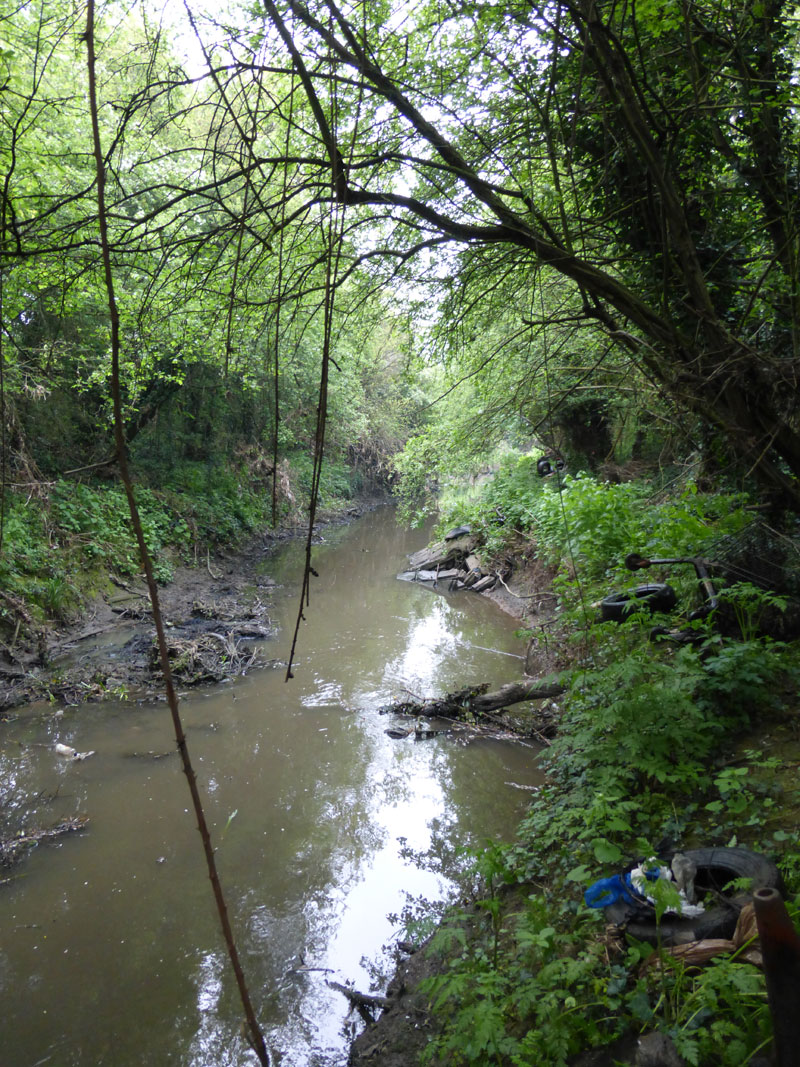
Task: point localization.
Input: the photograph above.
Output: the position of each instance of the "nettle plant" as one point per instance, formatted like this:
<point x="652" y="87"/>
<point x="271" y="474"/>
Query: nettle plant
<point x="594" y="524"/>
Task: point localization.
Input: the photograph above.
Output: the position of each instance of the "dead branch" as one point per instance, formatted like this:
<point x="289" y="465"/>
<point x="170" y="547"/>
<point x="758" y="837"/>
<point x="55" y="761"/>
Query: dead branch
<point x="364" y="1003"/>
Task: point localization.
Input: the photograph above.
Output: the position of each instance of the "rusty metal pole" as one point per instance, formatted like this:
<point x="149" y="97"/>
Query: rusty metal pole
<point x="780" y="947"/>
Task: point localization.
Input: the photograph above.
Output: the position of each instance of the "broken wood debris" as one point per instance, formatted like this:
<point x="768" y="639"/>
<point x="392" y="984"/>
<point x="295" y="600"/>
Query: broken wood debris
<point x="12" y="849"/>
<point x="453" y="560"/>
<point x="469" y="706"/>
<point x="364" y="1003"/>
<point x="443" y="554"/>
<point x="209" y="657"/>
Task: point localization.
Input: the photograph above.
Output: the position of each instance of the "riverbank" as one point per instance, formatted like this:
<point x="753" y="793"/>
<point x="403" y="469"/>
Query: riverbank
<point x="662" y="746"/>
<point x="213" y="610"/>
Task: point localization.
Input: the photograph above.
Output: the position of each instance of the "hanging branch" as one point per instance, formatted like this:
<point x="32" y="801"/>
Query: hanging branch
<point x="256" y="1037"/>
<point x="281" y="241"/>
<point x="338" y="173"/>
<point x="332" y="257"/>
<point x="331" y="264"/>
<point x="3" y="442"/>
<point x="235" y="281"/>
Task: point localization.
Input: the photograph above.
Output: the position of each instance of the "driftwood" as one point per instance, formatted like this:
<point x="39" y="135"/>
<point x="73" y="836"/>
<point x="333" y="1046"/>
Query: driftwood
<point x="442" y="554"/>
<point x="364" y="1003"/>
<point x="13" y="848"/>
<point x="475" y="700"/>
<point x="208" y="657"/>
<point x="513" y="693"/>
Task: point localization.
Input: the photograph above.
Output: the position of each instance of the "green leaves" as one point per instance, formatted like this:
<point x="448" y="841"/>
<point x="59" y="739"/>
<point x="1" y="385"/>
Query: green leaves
<point x="605" y="852"/>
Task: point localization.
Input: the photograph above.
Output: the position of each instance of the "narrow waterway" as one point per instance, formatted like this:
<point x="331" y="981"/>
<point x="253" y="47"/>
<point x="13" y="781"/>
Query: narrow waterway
<point x="109" y="947"/>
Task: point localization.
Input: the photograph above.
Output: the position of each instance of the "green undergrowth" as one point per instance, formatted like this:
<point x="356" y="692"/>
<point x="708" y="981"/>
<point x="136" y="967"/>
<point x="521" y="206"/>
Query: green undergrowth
<point x="661" y="746"/>
<point x="60" y="545"/>
<point x="595" y="524"/>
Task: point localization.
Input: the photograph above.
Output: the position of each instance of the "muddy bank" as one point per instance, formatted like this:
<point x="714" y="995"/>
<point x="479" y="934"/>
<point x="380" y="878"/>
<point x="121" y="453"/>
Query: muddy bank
<point x="326" y="828"/>
<point x="405" y="1026"/>
<point x="215" y="614"/>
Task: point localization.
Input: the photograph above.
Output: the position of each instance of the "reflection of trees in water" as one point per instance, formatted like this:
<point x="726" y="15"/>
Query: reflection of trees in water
<point x="310" y="860"/>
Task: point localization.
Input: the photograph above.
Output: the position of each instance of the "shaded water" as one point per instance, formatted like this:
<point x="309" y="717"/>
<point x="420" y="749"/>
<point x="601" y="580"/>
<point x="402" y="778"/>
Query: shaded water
<point x="109" y="948"/>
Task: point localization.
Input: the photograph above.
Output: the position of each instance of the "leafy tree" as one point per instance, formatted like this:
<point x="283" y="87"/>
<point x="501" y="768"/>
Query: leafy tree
<point x="218" y="258"/>
<point x="664" y="193"/>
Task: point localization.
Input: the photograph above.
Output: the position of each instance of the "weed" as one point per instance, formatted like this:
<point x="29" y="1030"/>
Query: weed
<point x="632" y="766"/>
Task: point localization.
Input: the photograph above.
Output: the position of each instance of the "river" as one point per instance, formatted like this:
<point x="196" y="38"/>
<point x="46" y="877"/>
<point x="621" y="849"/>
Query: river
<point x="109" y="947"/>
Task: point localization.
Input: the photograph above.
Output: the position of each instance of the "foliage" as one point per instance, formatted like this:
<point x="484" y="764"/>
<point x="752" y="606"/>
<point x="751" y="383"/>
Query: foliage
<point x="630" y="766"/>
<point x="631" y="772"/>
<point x="60" y="545"/>
<point x="578" y="184"/>
<point x="529" y="1002"/>
<point x="593" y="523"/>
<point x="338" y="482"/>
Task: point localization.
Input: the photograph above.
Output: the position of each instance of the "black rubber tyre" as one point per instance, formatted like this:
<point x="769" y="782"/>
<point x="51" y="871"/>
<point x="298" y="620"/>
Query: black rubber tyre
<point x="716" y="867"/>
<point x="657" y="596"/>
<point x="458" y="531"/>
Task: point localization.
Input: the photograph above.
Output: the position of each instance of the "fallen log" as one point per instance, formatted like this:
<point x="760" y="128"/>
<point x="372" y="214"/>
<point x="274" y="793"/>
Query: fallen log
<point x="475" y="700"/>
<point x="368" y="1000"/>
<point x="514" y="693"/>
<point x="364" y="1003"/>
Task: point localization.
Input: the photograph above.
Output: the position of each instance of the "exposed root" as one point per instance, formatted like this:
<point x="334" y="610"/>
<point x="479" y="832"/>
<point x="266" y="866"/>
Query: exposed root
<point x="209" y="657"/>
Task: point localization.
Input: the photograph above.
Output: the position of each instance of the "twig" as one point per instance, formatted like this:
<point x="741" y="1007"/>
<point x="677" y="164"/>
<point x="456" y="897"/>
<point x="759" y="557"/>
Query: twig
<point x="411" y="693"/>
<point x="528" y="596"/>
<point x="91" y="466"/>
<point x="123" y="585"/>
<point x="362" y="1000"/>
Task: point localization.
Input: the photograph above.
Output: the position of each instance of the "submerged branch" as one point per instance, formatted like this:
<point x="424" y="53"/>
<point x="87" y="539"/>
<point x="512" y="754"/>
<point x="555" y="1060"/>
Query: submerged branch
<point x="468" y="705"/>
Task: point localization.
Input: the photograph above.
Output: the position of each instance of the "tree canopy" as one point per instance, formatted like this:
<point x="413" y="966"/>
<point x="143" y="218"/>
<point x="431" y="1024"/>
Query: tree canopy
<point x="646" y="153"/>
<point x="618" y="179"/>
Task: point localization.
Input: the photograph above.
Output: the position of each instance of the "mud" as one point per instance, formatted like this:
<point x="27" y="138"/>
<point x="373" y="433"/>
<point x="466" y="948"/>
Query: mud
<point x="214" y="614"/>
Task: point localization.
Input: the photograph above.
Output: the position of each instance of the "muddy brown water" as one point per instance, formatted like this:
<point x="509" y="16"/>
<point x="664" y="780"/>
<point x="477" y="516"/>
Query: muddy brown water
<point x="109" y="947"/>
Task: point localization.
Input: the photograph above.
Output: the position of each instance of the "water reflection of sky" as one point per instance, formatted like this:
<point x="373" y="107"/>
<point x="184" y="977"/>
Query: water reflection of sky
<point x="429" y="640"/>
<point x="317" y="818"/>
<point x="375" y="872"/>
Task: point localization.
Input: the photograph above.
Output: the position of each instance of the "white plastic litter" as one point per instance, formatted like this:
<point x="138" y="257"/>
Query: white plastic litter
<point x="642" y="884"/>
<point x="68" y="752"/>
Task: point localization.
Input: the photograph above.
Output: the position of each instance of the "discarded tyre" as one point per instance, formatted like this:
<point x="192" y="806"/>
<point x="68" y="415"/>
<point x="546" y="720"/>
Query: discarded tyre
<point x="458" y="531"/>
<point x="657" y="596"/>
<point x="547" y="465"/>
<point x="716" y="869"/>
